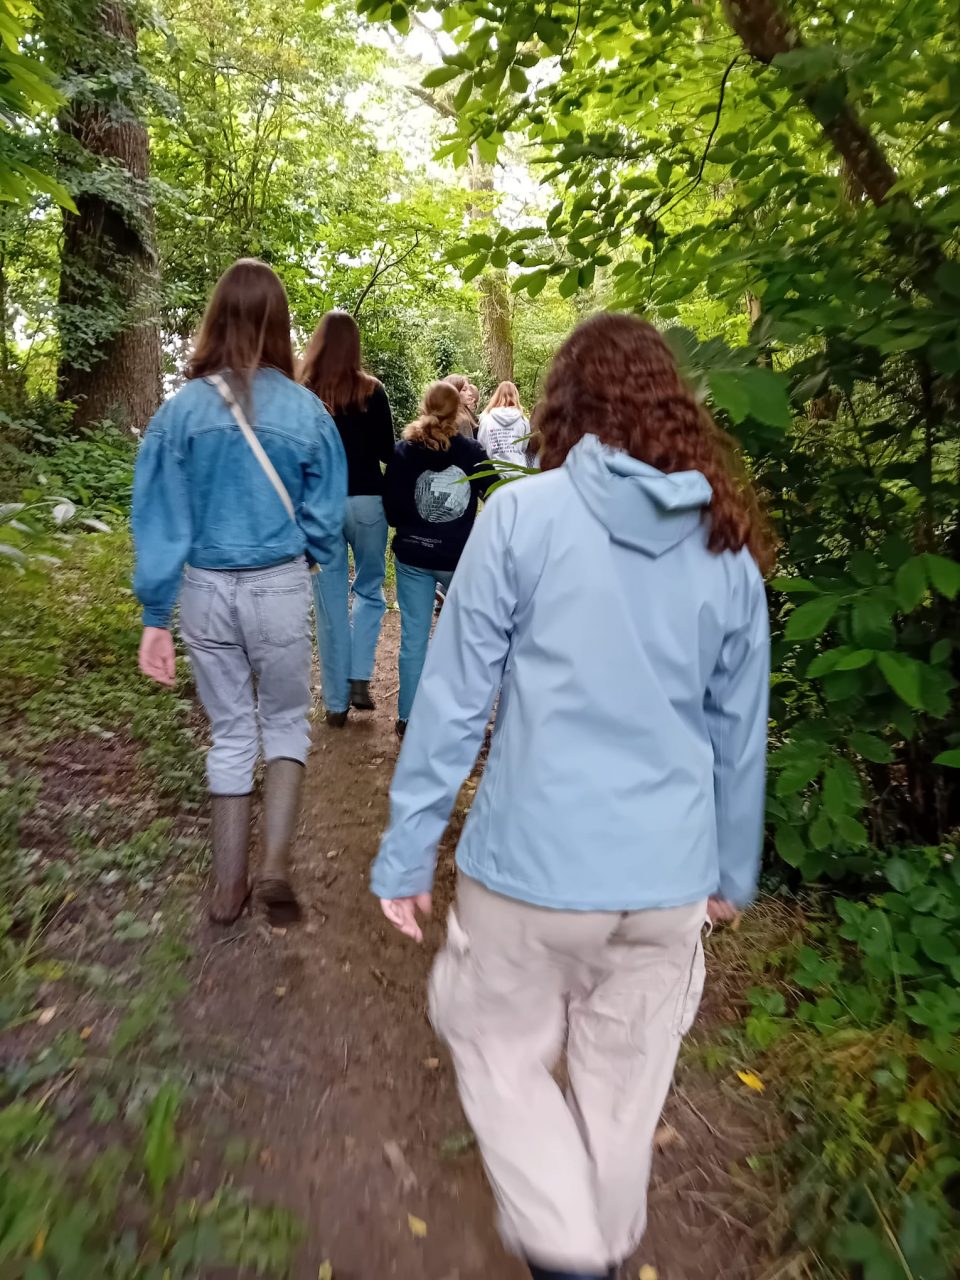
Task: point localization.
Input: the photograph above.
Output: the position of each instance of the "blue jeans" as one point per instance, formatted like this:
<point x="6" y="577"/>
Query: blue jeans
<point x="348" y="647"/>
<point x="416" y="593"/>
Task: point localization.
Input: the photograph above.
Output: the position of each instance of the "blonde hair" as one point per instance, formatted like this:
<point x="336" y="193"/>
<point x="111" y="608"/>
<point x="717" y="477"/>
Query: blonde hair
<point x="439" y="418"/>
<point x="506" y="396"/>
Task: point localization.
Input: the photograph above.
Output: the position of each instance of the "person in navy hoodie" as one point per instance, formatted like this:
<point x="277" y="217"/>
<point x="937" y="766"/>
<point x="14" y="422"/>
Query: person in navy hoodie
<point x="430" y="497"/>
<point x="212" y="529"/>
<point x="615" y="604"/>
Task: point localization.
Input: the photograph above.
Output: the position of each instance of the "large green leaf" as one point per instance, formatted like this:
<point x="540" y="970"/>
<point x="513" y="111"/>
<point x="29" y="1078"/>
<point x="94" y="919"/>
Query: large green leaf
<point x="903" y="675"/>
<point x="944" y="574"/>
<point x="910" y="583"/>
<point x="811" y="619"/>
<point x="871" y="747"/>
<point x="769" y="396"/>
<point x="841" y="788"/>
<point x="871" y="624"/>
<point x="440" y="76"/>
<point x="730" y="393"/>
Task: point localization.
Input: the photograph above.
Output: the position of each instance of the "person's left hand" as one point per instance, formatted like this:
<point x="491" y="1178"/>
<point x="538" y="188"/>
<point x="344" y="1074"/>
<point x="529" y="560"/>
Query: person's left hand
<point x="402" y="913"/>
<point x="721" y="911"/>
<point x="158" y="659"/>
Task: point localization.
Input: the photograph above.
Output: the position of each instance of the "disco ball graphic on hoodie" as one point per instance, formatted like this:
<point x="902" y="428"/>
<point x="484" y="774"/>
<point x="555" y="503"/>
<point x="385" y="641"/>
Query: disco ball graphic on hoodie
<point x="442" y="496"/>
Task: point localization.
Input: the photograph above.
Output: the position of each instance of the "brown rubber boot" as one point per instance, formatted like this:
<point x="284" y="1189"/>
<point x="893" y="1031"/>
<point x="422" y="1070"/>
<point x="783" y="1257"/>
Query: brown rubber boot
<point x="282" y="785"/>
<point x="230" y="838"/>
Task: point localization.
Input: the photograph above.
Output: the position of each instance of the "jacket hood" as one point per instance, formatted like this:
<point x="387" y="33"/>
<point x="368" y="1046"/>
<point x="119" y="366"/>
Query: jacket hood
<point x="640" y="507"/>
<point x="506" y="416"/>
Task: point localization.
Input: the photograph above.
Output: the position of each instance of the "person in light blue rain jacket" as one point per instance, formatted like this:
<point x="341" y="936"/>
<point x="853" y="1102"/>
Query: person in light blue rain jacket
<point x="616" y="605"/>
<point x="229" y="525"/>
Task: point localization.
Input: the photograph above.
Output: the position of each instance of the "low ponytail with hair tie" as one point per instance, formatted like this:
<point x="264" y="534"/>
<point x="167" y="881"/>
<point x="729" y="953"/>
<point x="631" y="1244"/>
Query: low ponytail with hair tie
<point x="439" y="418"/>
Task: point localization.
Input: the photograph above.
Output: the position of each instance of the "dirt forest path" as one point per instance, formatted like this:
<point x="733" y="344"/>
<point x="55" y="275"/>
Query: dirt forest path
<point x="322" y="1058"/>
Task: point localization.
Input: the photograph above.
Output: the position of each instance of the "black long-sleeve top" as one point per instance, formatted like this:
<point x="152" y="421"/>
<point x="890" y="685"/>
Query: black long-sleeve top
<point x="368" y="440"/>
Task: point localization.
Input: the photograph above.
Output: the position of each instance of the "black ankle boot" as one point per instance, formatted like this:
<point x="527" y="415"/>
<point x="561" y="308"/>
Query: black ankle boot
<point x="360" y="698"/>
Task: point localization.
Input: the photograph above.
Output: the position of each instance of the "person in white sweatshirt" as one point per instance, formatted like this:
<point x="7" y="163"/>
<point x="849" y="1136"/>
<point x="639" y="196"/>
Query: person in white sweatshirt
<point x="504" y="430"/>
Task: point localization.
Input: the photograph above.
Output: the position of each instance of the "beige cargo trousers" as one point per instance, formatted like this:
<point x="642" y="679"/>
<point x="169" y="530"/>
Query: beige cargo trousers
<point x="515" y="983"/>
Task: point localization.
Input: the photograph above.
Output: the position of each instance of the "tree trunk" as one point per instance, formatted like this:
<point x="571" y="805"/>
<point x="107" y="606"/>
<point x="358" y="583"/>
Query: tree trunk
<point x="496" y="321"/>
<point x="110" y="341"/>
<point x="496" y="325"/>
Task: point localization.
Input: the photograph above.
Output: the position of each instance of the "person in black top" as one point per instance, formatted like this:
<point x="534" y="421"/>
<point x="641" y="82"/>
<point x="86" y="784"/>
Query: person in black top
<point x="430" y="496"/>
<point x="332" y="369"/>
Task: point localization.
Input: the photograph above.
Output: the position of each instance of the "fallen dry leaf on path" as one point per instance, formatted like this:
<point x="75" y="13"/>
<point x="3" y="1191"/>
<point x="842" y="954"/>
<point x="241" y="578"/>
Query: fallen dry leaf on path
<point x="398" y="1163"/>
<point x="418" y="1227"/>
<point x="647" y="1273"/>
<point x="751" y="1081"/>
<point x="431" y="1063"/>
<point x="47" y="1015"/>
<point x="280" y="991"/>
<point x="326" y="1270"/>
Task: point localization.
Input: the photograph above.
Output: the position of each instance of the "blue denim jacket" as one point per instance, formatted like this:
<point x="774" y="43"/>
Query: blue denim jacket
<point x="628" y="758"/>
<point x="200" y="496"/>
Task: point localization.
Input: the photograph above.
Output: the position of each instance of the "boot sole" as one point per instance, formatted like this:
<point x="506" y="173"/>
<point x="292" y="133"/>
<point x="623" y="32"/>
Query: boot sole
<point x="280" y="902"/>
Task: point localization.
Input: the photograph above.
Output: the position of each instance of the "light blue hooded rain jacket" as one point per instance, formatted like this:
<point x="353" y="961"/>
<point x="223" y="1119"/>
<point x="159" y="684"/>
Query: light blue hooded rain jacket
<point x="628" y="759"/>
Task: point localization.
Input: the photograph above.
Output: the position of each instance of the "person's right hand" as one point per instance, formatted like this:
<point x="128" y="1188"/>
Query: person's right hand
<point x="402" y="913"/>
<point x="721" y="911"/>
<point x="158" y="659"/>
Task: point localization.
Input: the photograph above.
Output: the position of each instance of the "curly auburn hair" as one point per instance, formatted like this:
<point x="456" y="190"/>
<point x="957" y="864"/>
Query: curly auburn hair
<point x="616" y="378"/>
<point x="439" y="419"/>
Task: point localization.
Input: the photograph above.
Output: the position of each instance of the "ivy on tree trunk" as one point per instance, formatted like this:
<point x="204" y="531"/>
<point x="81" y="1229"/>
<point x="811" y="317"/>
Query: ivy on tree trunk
<point x="108" y="300"/>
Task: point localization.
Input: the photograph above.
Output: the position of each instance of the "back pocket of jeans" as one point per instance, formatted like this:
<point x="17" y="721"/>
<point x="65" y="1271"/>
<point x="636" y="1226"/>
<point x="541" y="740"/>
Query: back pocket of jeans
<point x="283" y="613"/>
<point x="196" y="605"/>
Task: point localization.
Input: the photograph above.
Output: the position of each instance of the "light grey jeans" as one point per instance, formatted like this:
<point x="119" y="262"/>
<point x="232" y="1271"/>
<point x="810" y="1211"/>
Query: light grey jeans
<point x="247" y="633"/>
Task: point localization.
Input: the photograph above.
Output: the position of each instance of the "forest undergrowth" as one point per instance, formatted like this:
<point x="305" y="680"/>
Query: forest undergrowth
<point x="101" y="854"/>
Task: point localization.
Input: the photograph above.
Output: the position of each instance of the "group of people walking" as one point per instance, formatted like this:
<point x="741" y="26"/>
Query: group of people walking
<point x="611" y="609"/>
<point x="427" y="487"/>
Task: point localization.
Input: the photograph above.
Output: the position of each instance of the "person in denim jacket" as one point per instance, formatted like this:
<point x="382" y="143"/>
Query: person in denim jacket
<point x="615" y="604"/>
<point x="210" y="528"/>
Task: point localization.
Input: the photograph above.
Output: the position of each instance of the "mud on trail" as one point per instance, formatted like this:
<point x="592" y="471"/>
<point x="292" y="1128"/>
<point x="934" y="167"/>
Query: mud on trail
<point x="323" y="1059"/>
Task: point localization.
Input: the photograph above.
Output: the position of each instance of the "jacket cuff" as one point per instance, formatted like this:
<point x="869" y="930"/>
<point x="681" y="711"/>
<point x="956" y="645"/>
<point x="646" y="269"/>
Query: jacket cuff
<point x="383" y="884"/>
<point x="736" y="892"/>
<point x="154" y="616"/>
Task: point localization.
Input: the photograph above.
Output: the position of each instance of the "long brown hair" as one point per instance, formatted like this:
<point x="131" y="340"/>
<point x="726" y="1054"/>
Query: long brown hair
<point x="246" y="325"/>
<point x="615" y="378"/>
<point x="439" y="418"/>
<point x="332" y="367"/>
<point x="506" y="396"/>
<point x="462" y="384"/>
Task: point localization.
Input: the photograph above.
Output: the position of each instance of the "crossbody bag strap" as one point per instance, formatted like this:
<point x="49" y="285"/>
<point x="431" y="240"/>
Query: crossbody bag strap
<point x="256" y="448"/>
